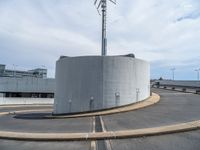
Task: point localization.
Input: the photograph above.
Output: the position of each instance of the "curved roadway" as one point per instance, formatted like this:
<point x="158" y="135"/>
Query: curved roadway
<point x="174" y="107"/>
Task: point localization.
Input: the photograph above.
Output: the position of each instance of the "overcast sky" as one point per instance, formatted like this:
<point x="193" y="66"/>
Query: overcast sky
<point x="34" y="33"/>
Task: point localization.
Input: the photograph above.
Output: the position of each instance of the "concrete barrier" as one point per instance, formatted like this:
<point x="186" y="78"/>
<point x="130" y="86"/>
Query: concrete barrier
<point x="184" y="86"/>
<point x="25" y="101"/>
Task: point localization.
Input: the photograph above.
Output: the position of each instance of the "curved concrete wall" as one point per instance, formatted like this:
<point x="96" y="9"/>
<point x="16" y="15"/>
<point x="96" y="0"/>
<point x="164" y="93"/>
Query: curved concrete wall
<point x="96" y="82"/>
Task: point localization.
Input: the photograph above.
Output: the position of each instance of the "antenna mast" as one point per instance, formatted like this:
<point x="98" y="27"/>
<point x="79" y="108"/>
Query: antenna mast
<point x="102" y="4"/>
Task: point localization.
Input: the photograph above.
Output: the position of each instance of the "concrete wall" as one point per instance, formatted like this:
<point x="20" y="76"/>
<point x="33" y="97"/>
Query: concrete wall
<point x="180" y="83"/>
<point x="32" y="85"/>
<point x="95" y="82"/>
<point x="25" y="101"/>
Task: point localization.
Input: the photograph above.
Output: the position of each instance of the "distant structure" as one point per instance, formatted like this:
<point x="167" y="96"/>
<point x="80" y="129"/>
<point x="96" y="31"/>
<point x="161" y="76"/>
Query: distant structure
<point x="102" y="4"/>
<point x="37" y="73"/>
<point x="25" y="84"/>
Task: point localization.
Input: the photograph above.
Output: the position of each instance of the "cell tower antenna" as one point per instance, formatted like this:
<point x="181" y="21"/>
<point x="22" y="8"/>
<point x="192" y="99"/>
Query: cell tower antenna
<point x="102" y="4"/>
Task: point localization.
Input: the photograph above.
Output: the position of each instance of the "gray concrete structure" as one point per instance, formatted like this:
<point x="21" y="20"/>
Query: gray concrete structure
<point x="26" y="90"/>
<point x="180" y="82"/>
<point x="38" y="72"/>
<point x="24" y="101"/>
<point x="96" y="82"/>
<point x="26" y="85"/>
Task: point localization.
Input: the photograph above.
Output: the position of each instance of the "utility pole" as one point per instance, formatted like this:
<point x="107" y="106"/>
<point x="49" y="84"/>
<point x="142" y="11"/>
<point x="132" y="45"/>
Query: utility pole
<point x="173" y="73"/>
<point x="198" y="73"/>
<point x="104" y="39"/>
<point x="14" y="70"/>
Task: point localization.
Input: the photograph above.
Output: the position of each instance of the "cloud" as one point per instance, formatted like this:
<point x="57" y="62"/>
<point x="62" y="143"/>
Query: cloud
<point x="37" y="32"/>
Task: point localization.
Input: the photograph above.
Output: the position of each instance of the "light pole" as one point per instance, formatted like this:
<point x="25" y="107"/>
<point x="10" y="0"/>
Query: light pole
<point x="14" y="70"/>
<point x="70" y="105"/>
<point x="173" y="73"/>
<point x="102" y="4"/>
<point x="44" y="71"/>
<point x="197" y="70"/>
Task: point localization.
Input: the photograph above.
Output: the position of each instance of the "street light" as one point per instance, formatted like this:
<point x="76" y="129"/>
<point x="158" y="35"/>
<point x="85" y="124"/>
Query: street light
<point x="14" y="70"/>
<point x="173" y="72"/>
<point x="197" y="70"/>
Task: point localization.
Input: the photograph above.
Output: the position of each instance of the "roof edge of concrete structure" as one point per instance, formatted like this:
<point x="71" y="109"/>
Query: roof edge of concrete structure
<point x="176" y="128"/>
<point x="125" y="55"/>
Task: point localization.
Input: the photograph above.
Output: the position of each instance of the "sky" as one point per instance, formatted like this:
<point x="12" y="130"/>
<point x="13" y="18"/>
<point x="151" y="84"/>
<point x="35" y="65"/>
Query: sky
<point x="35" y="33"/>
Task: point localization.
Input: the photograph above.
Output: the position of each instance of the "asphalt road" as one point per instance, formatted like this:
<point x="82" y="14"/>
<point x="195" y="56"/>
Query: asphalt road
<point x="179" y="141"/>
<point x="174" y="107"/>
<point x="25" y="145"/>
<point x="32" y="122"/>
<point x="73" y="125"/>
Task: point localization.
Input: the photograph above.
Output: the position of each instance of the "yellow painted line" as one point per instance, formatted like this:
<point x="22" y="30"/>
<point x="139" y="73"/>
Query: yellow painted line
<point x="93" y="124"/>
<point x="93" y="143"/>
<point x="101" y="135"/>
<point x="107" y="142"/>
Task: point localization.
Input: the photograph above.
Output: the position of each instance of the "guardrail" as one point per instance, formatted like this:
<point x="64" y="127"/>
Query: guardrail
<point x="182" y="88"/>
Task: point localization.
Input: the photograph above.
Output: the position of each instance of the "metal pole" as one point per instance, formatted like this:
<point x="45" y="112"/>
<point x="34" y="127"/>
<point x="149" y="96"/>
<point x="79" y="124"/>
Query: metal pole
<point x="104" y="40"/>
<point x="173" y="73"/>
<point x="198" y="70"/>
<point x="70" y="105"/>
<point x="103" y="5"/>
<point x="14" y="70"/>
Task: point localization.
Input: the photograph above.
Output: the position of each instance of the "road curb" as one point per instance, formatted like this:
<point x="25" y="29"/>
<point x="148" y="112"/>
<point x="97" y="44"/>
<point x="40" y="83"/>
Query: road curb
<point x="155" y="98"/>
<point x="183" y="127"/>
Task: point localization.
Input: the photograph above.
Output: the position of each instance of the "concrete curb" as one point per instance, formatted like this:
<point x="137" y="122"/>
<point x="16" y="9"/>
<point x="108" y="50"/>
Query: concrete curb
<point x="23" y="111"/>
<point x="155" y="98"/>
<point x="194" y="125"/>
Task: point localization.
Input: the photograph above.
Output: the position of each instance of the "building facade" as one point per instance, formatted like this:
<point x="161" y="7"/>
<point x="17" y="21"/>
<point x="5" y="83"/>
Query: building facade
<point x="37" y="73"/>
<point x="25" y="84"/>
